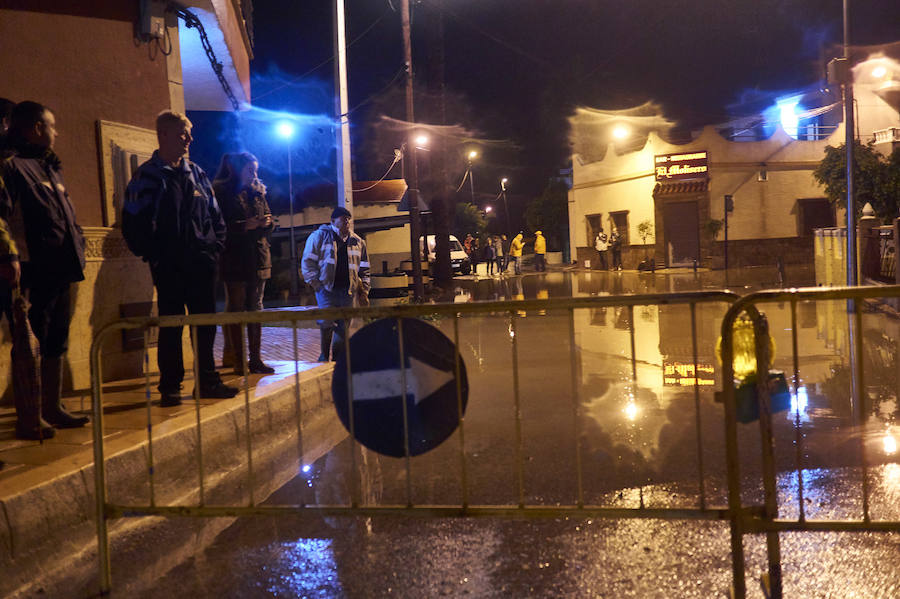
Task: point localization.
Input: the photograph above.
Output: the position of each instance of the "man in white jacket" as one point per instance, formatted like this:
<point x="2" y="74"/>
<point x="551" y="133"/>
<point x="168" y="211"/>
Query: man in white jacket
<point x="336" y="265"/>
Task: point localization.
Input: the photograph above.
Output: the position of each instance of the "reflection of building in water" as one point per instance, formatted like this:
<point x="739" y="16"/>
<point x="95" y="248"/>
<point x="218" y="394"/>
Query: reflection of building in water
<point x="677" y="347"/>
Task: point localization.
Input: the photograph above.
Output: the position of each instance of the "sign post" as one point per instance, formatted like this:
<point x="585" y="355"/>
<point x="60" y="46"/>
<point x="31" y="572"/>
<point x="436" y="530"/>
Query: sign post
<point x="729" y="207"/>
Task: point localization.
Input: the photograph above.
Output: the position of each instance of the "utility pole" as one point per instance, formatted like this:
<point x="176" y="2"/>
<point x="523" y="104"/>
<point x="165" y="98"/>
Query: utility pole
<point x="442" y="201"/>
<point x="341" y="108"/>
<point x="413" y="178"/>
<point x="849" y="142"/>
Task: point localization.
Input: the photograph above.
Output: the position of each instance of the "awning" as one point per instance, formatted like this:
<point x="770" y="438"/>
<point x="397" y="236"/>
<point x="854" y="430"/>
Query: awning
<point x="681" y="187"/>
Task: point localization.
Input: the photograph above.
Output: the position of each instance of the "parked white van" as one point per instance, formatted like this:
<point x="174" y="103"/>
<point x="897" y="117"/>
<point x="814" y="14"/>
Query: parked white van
<point x="459" y="260"/>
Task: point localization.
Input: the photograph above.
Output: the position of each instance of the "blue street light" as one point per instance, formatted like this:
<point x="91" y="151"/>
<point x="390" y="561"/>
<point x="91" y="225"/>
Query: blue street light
<point x="285" y="129"/>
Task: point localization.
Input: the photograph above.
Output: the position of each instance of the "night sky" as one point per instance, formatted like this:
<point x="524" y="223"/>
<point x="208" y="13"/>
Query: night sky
<point x="515" y="70"/>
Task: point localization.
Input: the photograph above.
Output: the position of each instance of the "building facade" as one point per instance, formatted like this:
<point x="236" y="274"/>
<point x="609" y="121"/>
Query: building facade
<point x="107" y="68"/>
<point x="668" y="200"/>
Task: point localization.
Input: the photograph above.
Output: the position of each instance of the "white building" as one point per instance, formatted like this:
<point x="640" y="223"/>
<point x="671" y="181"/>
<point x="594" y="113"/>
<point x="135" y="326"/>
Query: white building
<point x="764" y="162"/>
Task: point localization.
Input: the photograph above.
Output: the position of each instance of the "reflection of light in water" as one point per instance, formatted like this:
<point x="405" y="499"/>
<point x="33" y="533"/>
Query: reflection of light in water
<point x="890" y="443"/>
<point x="631" y="411"/>
<point x="799" y="405"/>
<point x="512" y="333"/>
<point x="892" y="477"/>
<point x="305" y="564"/>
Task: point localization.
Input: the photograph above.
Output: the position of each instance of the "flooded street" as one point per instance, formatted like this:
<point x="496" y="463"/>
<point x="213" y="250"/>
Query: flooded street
<point x="610" y="428"/>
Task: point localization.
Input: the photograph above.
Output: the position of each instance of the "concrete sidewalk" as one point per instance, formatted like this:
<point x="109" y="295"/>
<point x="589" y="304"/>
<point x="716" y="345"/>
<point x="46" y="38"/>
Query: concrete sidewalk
<point x="47" y="490"/>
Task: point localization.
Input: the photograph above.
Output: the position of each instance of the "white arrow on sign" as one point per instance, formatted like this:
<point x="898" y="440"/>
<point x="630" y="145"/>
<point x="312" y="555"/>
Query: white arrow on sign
<point x="421" y="381"/>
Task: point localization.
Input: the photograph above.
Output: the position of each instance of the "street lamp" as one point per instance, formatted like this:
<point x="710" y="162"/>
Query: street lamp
<point x="419" y="142"/>
<point x="503" y="183"/>
<point x="472" y="155"/>
<point x="285" y="130"/>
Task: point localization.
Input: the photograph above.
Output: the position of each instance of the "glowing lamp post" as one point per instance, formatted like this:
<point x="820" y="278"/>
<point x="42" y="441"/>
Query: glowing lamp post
<point x="285" y="130"/>
<point x="472" y="155"/>
<point x="503" y="183"/>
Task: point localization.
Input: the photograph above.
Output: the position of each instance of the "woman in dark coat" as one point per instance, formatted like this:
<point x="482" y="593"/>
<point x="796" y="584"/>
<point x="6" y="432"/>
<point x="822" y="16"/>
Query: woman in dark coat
<point x="246" y="263"/>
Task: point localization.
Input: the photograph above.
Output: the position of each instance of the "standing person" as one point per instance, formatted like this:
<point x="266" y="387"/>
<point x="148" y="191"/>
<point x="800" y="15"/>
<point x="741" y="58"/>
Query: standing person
<point x="490" y="255"/>
<point x="515" y="252"/>
<point x="615" y="243"/>
<point x="540" y="251"/>
<point x="246" y="262"/>
<point x="50" y="246"/>
<point x="601" y="244"/>
<point x="475" y="255"/>
<point x="504" y="245"/>
<point x="498" y="253"/>
<point x="336" y="265"/>
<point x="172" y="220"/>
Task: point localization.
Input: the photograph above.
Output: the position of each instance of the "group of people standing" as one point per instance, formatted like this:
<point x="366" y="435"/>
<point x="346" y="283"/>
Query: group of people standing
<point x="603" y="243"/>
<point x="187" y="229"/>
<point x="500" y="253"/>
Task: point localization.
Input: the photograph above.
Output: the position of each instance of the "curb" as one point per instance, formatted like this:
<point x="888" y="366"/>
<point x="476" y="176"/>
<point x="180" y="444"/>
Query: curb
<point x="48" y="538"/>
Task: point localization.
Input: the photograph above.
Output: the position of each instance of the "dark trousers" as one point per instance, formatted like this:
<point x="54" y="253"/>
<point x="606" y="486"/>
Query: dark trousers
<point x="50" y="315"/>
<point x="617" y="259"/>
<point x="539" y="264"/>
<point x="602" y="262"/>
<point x="176" y="290"/>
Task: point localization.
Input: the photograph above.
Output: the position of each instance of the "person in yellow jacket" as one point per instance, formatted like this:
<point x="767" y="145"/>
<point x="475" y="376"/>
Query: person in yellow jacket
<point x="540" y="248"/>
<point x="515" y="252"/>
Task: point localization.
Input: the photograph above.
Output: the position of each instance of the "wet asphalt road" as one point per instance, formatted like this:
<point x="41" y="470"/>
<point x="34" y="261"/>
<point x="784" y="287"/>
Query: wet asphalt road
<point x="637" y="443"/>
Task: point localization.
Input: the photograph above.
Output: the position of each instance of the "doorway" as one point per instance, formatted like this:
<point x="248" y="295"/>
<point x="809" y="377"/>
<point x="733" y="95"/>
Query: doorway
<point x="682" y="231"/>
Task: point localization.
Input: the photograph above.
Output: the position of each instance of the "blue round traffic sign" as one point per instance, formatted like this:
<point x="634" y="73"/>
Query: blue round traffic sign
<point x="377" y="377"/>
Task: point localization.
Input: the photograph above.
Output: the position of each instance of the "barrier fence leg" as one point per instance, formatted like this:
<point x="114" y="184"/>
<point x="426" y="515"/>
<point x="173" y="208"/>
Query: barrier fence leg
<point x="772" y="582"/>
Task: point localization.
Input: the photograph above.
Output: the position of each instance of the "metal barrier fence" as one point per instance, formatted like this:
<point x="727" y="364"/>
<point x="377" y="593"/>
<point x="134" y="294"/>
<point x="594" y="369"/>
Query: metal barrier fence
<point x="742" y="519"/>
<point x="765" y="518"/>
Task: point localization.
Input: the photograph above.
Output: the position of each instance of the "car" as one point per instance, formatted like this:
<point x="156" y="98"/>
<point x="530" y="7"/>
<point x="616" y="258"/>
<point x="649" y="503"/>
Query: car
<point x="459" y="260"/>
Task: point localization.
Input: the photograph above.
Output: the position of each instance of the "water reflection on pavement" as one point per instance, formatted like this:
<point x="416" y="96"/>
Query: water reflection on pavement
<point x="632" y="420"/>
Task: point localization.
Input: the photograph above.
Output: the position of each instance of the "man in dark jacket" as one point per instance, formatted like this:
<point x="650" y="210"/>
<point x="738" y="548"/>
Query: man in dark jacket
<point x="41" y="218"/>
<point x="172" y="220"/>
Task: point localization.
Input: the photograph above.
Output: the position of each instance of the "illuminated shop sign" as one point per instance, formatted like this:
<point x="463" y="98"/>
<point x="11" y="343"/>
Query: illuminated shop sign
<point x="680" y="374"/>
<point x="676" y="167"/>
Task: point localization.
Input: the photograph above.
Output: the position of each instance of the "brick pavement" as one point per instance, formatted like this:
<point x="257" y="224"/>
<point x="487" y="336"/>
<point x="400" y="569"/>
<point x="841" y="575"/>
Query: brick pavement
<point x="278" y="344"/>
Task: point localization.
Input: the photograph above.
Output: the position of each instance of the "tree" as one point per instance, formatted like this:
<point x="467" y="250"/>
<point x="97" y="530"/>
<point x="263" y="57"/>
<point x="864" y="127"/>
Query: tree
<point x="549" y="213"/>
<point x="469" y="219"/>
<point x="876" y="178"/>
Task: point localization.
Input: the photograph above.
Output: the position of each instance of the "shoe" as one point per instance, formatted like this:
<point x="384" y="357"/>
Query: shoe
<point x="36" y="433"/>
<point x="59" y="418"/>
<point x="169" y="400"/>
<point x="51" y="390"/>
<point x="260" y="367"/>
<point x="218" y="391"/>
